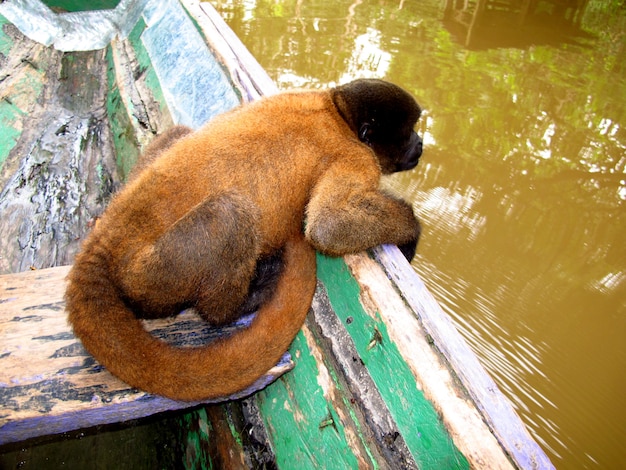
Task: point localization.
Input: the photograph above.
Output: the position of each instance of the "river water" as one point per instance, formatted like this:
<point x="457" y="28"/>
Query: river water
<point x="521" y="189"/>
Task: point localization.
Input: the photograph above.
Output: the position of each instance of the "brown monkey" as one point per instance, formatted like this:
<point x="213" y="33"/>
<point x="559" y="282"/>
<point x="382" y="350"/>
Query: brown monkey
<point x="156" y="148"/>
<point x="215" y="221"/>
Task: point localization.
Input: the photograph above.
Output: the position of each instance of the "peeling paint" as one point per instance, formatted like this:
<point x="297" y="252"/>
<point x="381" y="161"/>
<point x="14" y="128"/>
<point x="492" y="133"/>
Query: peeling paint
<point x="323" y="377"/>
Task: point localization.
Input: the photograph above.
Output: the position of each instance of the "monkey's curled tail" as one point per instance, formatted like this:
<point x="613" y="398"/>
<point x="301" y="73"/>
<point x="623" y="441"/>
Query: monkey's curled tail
<point x="116" y="338"/>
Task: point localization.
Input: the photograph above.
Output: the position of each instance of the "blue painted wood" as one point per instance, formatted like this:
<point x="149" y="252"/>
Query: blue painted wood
<point x="192" y="80"/>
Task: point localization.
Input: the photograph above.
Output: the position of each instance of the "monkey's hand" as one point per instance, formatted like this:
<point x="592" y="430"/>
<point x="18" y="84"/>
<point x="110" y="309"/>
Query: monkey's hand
<point x="409" y="249"/>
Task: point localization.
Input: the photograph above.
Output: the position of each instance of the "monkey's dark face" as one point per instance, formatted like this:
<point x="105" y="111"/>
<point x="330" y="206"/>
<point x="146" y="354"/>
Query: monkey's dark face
<point x="396" y="151"/>
<point x="383" y="116"/>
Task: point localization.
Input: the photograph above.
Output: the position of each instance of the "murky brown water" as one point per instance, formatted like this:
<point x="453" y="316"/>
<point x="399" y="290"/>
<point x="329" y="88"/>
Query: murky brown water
<point x="522" y="188"/>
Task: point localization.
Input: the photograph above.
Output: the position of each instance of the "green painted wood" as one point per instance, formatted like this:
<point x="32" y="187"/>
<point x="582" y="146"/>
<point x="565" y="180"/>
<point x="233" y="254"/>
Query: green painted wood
<point x="124" y="137"/>
<point x="312" y="427"/>
<point x="359" y="426"/>
<point x="147" y="70"/>
<point x="81" y="5"/>
<point x="304" y="429"/>
<point x="9" y="114"/>
<point x="197" y="430"/>
<point x="25" y="81"/>
<point x="5" y="41"/>
<point x="417" y="420"/>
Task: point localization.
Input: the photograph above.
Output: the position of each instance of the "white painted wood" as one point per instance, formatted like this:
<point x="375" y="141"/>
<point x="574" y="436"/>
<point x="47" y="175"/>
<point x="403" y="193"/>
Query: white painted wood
<point x="432" y="376"/>
<point x="252" y="79"/>
<point x="493" y="405"/>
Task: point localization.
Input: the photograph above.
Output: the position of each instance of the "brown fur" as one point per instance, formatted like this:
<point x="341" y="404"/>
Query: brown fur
<point x="194" y="226"/>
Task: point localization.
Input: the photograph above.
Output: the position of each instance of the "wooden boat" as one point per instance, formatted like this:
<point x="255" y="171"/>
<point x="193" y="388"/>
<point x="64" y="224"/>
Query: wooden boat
<point x="377" y="378"/>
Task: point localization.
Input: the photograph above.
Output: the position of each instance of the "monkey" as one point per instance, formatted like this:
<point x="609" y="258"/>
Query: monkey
<point x="155" y="148"/>
<point x="226" y="220"/>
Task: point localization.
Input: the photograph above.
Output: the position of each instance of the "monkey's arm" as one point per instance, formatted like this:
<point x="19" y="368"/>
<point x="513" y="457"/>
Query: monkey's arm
<point x="347" y="213"/>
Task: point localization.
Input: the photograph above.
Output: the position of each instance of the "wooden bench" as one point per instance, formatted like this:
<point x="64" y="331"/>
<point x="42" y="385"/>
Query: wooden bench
<point x="49" y="384"/>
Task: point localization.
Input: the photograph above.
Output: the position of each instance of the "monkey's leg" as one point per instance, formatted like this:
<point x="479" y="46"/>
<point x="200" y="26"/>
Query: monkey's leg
<point x="205" y="260"/>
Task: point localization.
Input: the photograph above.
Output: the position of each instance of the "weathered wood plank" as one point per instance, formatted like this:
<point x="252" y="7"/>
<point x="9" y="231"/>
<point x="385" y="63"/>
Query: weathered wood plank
<point x="357" y="378"/>
<point x="210" y="442"/>
<point x="174" y="45"/>
<point x="364" y="310"/>
<point x="428" y="367"/>
<point x="363" y="389"/>
<point x="139" y="87"/>
<point x="309" y="418"/>
<point x="76" y="30"/>
<point x="495" y="408"/>
<point x="22" y="75"/>
<point x="231" y="435"/>
<point x="251" y="79"/>
<point x="62" y="169"/>
<point x="50" y="384"/>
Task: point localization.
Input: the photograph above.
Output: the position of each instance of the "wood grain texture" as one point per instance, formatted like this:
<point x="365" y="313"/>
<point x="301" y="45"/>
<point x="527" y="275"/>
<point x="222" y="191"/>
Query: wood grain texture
<point x="50" y="384"/>
<point x="248" y="75"/>
<point x="62" y="169"/>
<point x="429" y="370"/>
<point x="365" y="397"/>
<point x="308" y="416"/>
<point x="366" y="309"/>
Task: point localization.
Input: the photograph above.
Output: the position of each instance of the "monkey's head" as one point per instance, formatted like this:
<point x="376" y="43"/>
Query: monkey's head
<point x="383" y="116"/>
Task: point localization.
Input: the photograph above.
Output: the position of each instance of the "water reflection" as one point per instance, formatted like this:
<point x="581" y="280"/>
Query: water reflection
<point x="514" y="23"/>
<point x="368" y="60"/>
<point x="456" y="210"/>
<point x="521" y="187"/>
